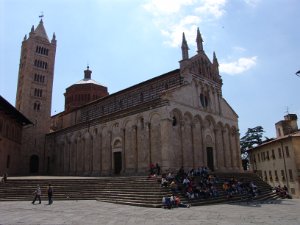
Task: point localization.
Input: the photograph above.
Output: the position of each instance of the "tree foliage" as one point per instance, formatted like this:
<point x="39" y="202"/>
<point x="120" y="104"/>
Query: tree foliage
<point x="252" y="138"/>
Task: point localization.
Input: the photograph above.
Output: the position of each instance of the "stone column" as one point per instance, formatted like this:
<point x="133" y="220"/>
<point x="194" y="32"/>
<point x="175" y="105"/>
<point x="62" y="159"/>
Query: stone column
<point x="91" y="166"/>
<point x="66" y="158"/>
<point x="216" y="150"/>
<point x="223" y="149"/>
<point x="123" y="150"/>
<point x="219" y="104"/>
<point x="62" y="158"/>
<point x="198" y="95"/>
<point x="110" y="152"/>
<point x="135" y="147"/>
<point x="203" y="158"/>
<point x="181" y="123"/>
<point x="239" y="159"/>
<point x="149" y="138"/>
<point x="230" y="150"/>
<point x="166" y="144"/>
<point x="214" y="100"/>
<point x="234" y="150"/>
<point x="100" y="153"/>
<point x="77" y="148"/>
<point x="69" y="158"/>
<point x="193" y="144"/>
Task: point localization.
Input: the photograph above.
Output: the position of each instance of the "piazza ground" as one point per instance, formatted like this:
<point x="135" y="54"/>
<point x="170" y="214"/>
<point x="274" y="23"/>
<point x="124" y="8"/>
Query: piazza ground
<point x="276" y="212"/>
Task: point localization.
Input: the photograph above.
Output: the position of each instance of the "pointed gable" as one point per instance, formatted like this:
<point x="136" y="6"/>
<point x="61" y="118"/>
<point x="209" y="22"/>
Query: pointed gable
<point x="40" y="31"/>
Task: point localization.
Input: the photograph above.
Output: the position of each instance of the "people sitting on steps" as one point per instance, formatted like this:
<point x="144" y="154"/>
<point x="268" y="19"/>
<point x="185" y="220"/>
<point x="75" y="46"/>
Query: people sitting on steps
<point x="4" y="178"/>
<point x="282" y="192"/>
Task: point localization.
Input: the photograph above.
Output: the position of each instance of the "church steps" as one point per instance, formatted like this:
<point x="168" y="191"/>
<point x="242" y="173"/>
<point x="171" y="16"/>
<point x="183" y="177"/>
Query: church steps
<point x="138" y="191"/>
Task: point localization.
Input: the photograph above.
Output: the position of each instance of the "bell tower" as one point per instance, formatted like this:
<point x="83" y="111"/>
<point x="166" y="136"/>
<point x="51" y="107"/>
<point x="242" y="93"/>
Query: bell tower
<point x="34" y="94"/>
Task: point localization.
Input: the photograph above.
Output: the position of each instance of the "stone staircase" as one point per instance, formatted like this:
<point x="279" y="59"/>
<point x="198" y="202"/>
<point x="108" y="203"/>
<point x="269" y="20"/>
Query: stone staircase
<point x="134" y="190"/>
<point x="265" y="190"/>
<point x="139" y="191"/>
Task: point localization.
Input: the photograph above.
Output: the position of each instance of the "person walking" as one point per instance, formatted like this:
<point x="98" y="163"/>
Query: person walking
<point x="37" y="195"/>
<point x="50" y="193"/>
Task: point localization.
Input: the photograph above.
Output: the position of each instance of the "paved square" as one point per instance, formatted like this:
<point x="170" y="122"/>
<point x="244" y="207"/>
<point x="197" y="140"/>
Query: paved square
<point x="285" y="212"/>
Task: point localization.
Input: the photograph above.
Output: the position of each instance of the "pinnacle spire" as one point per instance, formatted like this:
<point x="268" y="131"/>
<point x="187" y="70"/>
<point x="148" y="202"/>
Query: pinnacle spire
<point x="53" y="41"/>
<point x="184" y="48"/>
<point x="40" y="31"/>
<point x="215" y="60"/>
<point x="199" y="41"/>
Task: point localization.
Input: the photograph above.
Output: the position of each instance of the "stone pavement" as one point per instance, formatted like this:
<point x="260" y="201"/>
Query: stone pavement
<point x="285" y="212"/>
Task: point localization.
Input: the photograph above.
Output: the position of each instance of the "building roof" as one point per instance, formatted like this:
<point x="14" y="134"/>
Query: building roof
<point x="273" y="140"/>
<point x="132" y="88"/>
<point x="40" y="31"/>
<point x="13" y="112"/>
<point x="88" y="81"/>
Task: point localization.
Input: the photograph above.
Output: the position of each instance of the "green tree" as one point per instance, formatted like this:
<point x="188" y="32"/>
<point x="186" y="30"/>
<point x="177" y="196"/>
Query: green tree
<point x="252" y="138"/>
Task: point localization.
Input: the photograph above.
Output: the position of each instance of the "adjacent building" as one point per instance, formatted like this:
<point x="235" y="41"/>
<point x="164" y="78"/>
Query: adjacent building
<point x="278" y="161"/>
<point x="12" y="124"/>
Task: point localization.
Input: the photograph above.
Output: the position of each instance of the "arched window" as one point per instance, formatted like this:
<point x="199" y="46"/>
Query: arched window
<point x="36" y="106"/>
<point x="174" y="121"/>
<point x="204" y="100"/>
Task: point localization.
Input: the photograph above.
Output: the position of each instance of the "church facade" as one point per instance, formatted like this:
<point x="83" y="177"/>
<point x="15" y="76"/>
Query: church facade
<point x="176" y="119"/>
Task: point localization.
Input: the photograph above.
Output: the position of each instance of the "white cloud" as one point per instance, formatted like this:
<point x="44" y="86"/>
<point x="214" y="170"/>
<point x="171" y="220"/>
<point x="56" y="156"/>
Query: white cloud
<point x="212" y="8"/>
<point x="172" y="17"/>
<point x="166" y="7"/>
<point x="239" y="66"/>
<point x="239" y="49"/>
<point x="252" y="3"/>
<point x="186" y="25"/>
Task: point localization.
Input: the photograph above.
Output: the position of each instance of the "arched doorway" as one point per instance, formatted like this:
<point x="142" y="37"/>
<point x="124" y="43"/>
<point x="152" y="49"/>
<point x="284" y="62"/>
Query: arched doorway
<point x="209" y="152"/>
<point x="117" y="156"/>
<point x="117" y="162"/>
<point x="34" y="164"/>
<point x="210" y="158"/>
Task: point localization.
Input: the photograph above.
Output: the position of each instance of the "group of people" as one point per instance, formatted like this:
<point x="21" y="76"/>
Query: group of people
<point x="282" y="191"/>
<point x="173" y="201"/>
<point x="233" y="186"/>
<point x="196" y="183"/>
<point x="199" y="183"/>
<point x="38" y="193"/>
<point x="154" y="170"/>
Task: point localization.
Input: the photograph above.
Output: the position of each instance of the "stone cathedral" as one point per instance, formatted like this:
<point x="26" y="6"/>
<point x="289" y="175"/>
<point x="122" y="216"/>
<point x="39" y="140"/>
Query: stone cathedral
<point x="175" y="119"/>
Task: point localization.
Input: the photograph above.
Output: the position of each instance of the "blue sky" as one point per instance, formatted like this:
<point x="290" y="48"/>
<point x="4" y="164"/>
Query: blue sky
<point x="129" y="41"/>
